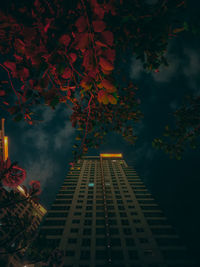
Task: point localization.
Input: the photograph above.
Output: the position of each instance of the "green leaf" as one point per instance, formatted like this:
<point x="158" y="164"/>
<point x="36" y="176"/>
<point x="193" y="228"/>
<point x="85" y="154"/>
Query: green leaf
<point x="186" y="26"/>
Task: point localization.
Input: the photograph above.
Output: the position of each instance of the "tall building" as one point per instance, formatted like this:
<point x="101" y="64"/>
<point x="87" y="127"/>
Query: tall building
<point x="13" y="217"/>
<point x="103" y="215"/>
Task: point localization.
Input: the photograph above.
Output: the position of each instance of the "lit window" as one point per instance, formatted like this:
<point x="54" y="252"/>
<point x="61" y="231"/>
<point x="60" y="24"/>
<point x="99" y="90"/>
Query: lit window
<point x="91" y="184"/>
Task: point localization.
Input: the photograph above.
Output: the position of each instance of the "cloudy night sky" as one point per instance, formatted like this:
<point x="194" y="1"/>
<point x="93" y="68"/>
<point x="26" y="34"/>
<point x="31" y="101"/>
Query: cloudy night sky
<point x="45" y="149"/>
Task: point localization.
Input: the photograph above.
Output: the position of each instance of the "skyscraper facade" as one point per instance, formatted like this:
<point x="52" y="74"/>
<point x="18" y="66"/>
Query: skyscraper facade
<point x="103" y="215"/>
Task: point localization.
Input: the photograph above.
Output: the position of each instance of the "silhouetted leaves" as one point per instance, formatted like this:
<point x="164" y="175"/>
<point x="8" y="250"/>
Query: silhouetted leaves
<point x="186" y="132"/>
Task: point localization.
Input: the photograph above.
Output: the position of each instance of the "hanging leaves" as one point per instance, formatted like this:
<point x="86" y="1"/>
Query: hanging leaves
<point x="105" y="64"/>
<point x="81" y="24"/>
<point x="72" y="53"/>
<point x="99" y="25"/>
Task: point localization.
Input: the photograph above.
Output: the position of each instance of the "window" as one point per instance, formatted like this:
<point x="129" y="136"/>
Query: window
<point x="117" y="254"/>
<point x="137" y="221"/>
<point x="134" y="213"/>
<point x="125" y="222"/>
<point x="130" y="242"/>
<point x="99" y="214"/>
<point x="123" y="214"/>
<point x="77" y="213"/>
<point x="79" y="207"/>
<point x="157" y="222"/>
<point x="121" y="208"/>
<point x="54" y="222"/>
<point x="100" y="207"/>
<point x="52" y="231"/>
<point x="127" y="231"/>
<point x="148" y="252"/>
<point x="86" y="242"/>
<point x="88" y="214"/>
<point x="75" y="221"/>
<point x="89" y="202"/>
<point x="87" y="231"/>
<point x="72" y="240"/>
<point x="100" y="222"/>
<point x="100" y="241"/>
<point x="85" y="255"/>
<point x="69" y="253"/>
<point x="133" y="255"/>
<point x="115" y="242"/>
<point x="74" y="230"/>
<point x="100" y="231"/>
<point x="99" y="201"/>
<point x="88" y="222"/>
<point x="112" y="222"/>
<point x="144" y="240"/>
<point x="139" y="230"/>
<point x="79" y="201"/>
<point x="114" y="231"/>
<point x="101" y="254"/>
<point x="111" y="214"/>
<point x="60" y="207"/>
<point x="153" y="214"/>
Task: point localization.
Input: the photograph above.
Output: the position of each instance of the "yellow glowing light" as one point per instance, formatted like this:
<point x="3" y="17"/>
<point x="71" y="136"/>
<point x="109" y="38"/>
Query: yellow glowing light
<point x="21" y="190"/>
<point x="111" y="155"/>
<point x="42" y="209"/>
<point x="5" y="147"/>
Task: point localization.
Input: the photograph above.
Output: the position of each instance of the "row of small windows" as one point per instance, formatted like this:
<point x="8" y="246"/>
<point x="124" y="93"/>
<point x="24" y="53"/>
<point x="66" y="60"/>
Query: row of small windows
<point x="102" y="254"/>
<point x="88" y="231"/>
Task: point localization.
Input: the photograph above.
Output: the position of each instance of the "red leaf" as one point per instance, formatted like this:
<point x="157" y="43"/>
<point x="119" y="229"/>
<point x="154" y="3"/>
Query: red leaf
<point x="67" y="73"/>
<point x="73" y="57"/>
<point x="112" y="99"/>
<point x="105" y="64"/>
<point x="108" y="37"/>
<point x="102" y="97"/>
<point x="99" y="12"/>
<point x="2" y="93"/>
<point x="19" y="46"/>
<point x="110" y="88"/>
<point x="109" y="54"/>
<point x="81" y="24"/>
<point x="47" y="26"/>
<point x="98" y="25"/>
<point x="86" y="83"/>
<point x="24" y="74"/>
<point x="10" y="65"/>
<point x="65" y="39"/>
<point x="18" y="58"/>
<point x="88" y="60"/>
<point x="100" y="44"/>
<point x="82" y="40"/>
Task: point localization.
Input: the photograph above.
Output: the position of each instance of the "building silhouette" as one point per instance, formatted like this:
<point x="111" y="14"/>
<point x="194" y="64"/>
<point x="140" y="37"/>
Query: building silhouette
<point x="103" y="215"/>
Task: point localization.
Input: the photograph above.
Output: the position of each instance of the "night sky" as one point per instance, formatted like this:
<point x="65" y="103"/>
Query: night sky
<point x="45" y="150"/>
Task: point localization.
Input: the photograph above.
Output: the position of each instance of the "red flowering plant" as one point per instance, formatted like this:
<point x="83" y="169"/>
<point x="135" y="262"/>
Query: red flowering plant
<point x="11" y="175"/>
<point x="67" y="53"/>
